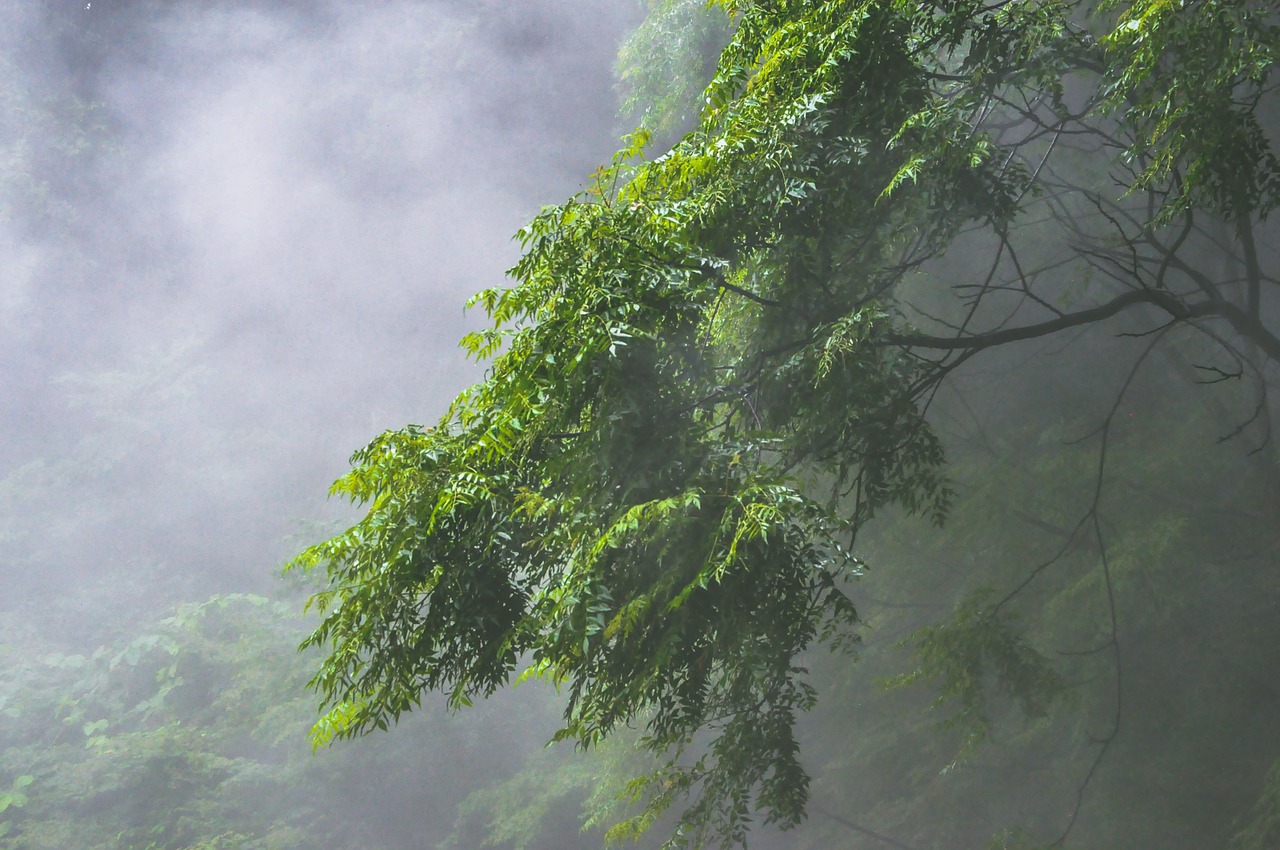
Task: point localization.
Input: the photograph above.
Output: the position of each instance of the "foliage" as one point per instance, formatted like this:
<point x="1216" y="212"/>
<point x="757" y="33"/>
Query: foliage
<point x="1262" y="828"/>
<point x="1191" y="573"/>
<point x="978" y="647"/>
<point x="1180" y="721"/>
<point x="555" y="796"/>
<point x="665" y="64"/>
<point x="715" y="368"/>
<point x="190" y="733"/>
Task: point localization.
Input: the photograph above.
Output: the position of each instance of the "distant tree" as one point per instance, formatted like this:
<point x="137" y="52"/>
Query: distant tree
<point x="173" y="736"/>
<point x="716" y="367"/>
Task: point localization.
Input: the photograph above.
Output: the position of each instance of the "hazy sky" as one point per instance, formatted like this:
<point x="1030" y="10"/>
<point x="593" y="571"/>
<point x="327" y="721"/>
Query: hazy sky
<point x="235" y="244"/>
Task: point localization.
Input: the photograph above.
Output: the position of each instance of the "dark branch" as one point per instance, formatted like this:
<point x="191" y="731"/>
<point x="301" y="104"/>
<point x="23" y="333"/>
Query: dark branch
<point x="871" y="833"/>
<point x="748" y="294"/>
<point x="1246" y="324"/>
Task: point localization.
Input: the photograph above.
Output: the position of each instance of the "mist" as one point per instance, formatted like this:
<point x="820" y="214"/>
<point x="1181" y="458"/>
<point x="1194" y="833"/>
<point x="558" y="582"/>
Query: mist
<point x="238" y="244"/>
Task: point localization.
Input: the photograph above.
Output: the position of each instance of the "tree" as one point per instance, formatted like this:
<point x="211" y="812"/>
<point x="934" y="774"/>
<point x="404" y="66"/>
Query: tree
<point x="716" y="367"/>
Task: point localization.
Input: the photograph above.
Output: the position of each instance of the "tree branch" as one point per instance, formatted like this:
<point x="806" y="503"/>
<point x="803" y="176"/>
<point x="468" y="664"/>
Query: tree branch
<point x="1243" y="322"/>
<point x="848" y="824"/>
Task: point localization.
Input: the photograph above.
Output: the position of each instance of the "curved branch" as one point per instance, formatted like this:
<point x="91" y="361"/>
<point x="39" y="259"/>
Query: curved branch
<point x="1247" y="325"/>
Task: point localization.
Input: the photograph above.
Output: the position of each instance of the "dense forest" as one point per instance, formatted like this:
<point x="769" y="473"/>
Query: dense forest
<point x="875" y="452"/>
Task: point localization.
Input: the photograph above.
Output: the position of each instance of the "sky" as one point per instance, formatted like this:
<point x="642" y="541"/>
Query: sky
<point x="236" y="245"/>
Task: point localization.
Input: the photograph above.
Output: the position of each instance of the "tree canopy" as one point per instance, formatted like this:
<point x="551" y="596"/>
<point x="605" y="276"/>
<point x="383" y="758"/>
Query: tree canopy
<point x="714" y="368"/>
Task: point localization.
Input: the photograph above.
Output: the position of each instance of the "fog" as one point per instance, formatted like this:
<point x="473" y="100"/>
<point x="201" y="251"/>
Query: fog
<point x="236" y="239"/>
<point x="236" y="245"/>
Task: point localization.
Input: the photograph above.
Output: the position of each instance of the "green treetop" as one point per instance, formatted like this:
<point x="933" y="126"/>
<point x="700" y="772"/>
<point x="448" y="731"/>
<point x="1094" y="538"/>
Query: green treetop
<point x="714" y="368"/>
